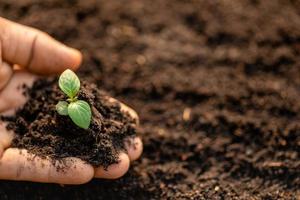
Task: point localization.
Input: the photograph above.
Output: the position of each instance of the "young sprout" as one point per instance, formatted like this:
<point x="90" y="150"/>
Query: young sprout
<point x="78" y="110"/>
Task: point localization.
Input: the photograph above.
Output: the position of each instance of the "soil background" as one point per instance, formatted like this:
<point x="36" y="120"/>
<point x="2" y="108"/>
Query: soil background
<point x="216" y="85"/>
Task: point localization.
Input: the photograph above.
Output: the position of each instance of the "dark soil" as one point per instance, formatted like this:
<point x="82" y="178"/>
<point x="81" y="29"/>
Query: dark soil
<point x="216" y="85"/>
<point x="43" y="132"/>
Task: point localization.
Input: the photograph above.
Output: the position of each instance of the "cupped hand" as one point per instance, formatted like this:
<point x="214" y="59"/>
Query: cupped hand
<point x="35" y="53"/>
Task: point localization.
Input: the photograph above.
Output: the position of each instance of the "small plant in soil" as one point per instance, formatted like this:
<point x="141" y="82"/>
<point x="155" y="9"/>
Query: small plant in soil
<point x="78" y="110"/>
<point x="98" y="136"/>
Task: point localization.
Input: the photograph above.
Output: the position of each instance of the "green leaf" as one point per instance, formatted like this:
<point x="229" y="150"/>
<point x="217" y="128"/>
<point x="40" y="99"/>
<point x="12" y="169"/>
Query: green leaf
<point x="80" y="113"/>
<point x="62" y="107"/>
<point x="69" y="83"/>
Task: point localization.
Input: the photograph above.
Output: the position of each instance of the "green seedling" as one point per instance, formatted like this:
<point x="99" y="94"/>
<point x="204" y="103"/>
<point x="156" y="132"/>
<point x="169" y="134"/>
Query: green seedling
<point x="78" y="110"/>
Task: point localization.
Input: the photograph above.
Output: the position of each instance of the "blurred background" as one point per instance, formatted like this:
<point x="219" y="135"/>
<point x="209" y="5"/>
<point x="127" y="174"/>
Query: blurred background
<point x="216" y="85"/>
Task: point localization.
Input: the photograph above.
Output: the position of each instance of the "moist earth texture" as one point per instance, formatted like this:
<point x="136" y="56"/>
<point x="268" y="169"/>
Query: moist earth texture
<point x="216" y="85"/>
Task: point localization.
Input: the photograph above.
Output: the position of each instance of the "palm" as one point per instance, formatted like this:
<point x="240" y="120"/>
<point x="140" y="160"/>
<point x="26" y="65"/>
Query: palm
<point x="17" y="164"/>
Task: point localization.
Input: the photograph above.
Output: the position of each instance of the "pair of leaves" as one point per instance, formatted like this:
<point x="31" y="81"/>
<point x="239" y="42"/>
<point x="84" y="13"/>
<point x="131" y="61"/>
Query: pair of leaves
<point x="78" y="110"/>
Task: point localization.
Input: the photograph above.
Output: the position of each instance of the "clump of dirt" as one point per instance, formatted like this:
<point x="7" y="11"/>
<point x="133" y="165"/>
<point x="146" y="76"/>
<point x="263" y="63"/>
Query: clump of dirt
<point x="43" y="132"/>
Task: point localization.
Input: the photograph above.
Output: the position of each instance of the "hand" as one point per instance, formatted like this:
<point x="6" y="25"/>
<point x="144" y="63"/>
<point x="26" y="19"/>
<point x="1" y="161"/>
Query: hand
<point x="35" y="52"/>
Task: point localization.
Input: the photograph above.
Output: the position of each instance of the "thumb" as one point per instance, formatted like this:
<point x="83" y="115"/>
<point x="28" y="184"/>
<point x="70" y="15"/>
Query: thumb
<point x="34" y="50"/>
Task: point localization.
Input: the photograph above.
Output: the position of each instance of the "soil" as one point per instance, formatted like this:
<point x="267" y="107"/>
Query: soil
<point x="216" y="85"/>
<point x="43" y="132"/>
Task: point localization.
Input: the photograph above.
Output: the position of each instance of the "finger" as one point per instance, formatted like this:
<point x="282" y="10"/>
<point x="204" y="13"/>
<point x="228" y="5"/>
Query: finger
<point x="126" y="109"/>
<point x="19" y="165"/>
<point x="12" y="96"/>
<point x="114" y="171"/>
<point x="6" y="73"/>
<point x="35" y="51"/>
<point x="134" y="147"/>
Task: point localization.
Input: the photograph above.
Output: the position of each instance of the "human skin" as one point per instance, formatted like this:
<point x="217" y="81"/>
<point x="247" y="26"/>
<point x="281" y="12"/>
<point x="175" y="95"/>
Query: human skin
<point x="25" y="54"/>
